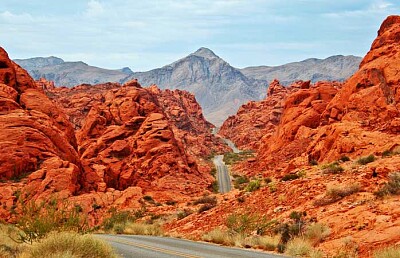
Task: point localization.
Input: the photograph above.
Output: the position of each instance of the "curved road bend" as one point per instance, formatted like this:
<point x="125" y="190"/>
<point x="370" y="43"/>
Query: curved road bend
<point x="128" y="246"/>
<point x="223" y="177"/>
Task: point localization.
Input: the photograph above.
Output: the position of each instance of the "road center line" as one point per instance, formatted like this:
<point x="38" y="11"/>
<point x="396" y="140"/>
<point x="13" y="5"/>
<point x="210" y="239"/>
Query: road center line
<point x="152" y="248"/>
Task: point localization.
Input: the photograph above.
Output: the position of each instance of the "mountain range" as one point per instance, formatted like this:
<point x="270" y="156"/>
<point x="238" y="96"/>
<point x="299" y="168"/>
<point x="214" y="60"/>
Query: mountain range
<point x="219" y="87"/>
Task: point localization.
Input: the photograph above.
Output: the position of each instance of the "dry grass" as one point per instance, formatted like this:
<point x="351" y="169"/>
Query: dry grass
<point x="268" y="243"/>
<point x="299" y="247"/>
<point x="219" y="236"/>
<point x="390" y="252"/>
<point x="317" y="232"/>
<point x="135" y="228"/>
<point x="8" y="247"/>
<point x="68" y="244"/>
<point x="336" y="193"/>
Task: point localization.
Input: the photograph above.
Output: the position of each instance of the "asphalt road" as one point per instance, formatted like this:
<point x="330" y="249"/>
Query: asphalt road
<point x="164" y="247"/>
<point x="223" y="177"/>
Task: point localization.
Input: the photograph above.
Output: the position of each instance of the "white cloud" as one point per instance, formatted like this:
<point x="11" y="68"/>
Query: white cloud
<point x="374" y="8"/>
<point x="94" y="8"/>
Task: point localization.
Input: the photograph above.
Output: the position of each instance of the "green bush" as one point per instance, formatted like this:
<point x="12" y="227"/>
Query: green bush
<point x="366" y="160"/>
<point x="239" y="181"/>
<point x="183" y="214"/>
<point x="36" y="221"/>
<point x="392" y="187"/>
<point x="253" y="185"/>
<point x="313" y="162"/>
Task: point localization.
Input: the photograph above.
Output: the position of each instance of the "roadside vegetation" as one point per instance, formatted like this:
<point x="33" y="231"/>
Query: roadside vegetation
<point x="52" y="229"/>
<point x="126" y="222"/>
<point x="296" y="237"/>
<point x="231" y="158"/>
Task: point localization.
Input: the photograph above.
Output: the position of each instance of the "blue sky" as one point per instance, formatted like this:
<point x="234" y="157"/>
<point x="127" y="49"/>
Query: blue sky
<point x="150" y="34"/>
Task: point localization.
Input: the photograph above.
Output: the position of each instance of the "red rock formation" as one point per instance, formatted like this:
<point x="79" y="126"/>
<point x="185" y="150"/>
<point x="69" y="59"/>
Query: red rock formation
<point x="36" y="139"/>
<point x="122" y="130"/>
<point x="128" y="141"/>
<point x="257" y="119"/>
<point x="322" y="122"/>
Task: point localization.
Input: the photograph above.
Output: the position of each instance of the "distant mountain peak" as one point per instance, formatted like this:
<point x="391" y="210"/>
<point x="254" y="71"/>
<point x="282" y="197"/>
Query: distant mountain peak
<point x="205" y="52"/>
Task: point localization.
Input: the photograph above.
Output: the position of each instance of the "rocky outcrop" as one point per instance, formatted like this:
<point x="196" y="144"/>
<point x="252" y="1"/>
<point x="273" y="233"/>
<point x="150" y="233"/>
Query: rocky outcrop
<point x="37" y="142"/>
<point x="134" y="136"/>
<point x="107" y="144"/>
<point x="258" y="119"/>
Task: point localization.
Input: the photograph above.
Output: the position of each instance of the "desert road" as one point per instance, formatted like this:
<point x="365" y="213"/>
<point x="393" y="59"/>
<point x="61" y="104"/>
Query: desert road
<point x="223" y="177"/>
<point x="128" y="246"/>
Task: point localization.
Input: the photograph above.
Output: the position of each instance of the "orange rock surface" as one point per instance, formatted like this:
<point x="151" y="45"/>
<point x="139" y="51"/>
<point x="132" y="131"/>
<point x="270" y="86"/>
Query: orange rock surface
<point x="321" y="123"/>
<point x="107" y="144"/>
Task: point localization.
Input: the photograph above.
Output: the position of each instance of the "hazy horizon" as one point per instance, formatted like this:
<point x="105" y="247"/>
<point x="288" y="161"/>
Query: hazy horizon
<point x="114" y="34"/>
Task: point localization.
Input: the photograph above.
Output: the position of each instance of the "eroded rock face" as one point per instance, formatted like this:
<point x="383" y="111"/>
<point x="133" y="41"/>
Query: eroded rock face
<point x="327" y="120"/>
<point x="106" y="144"/>
<point x="257" y="119"/>
<point x="37" y="141"/>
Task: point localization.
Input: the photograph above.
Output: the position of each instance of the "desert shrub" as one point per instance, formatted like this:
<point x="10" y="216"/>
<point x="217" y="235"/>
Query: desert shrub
<point x="298" y="247"/>
<point x="37" y="221"/>
<point x="390" y="252"/>
<point x="253" y="185"/>
<point x="268" y="243"/>
<point x="214" y="186"/>
<point x="387" y="153"/>
<point x="268" y="180"/>
<point x="148" y="198"/>
<point x="317" y="232"/>
<point x="213" y="171"/>
<point x="313" y="162"/>
<point x="8" y="247"/>
<point x="206" y="200"/>
<point x="170" y="202"/>
<point x="183" y="214"/>
<point x="239" y="181"/>
<point x="67" y="244"/>
<point x="392" y="187"/>
<point x="273" y="187"/>
<point x="291" y="229"/>
<point x="336" y="193"/>
<point x="240" y="223"/>
<point x="332" y="168"/>
<point x="344" y="158"/>
<point x="135" y="228"/>
<point x="231" y="158"/>
<point x="289" y="177"/>
<point x="206" y="207"/>
<point x="118" y="219"/>
<point x="219" y="237"/>
<point x="246" y="223"/>
<point x="366" y="160"/>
